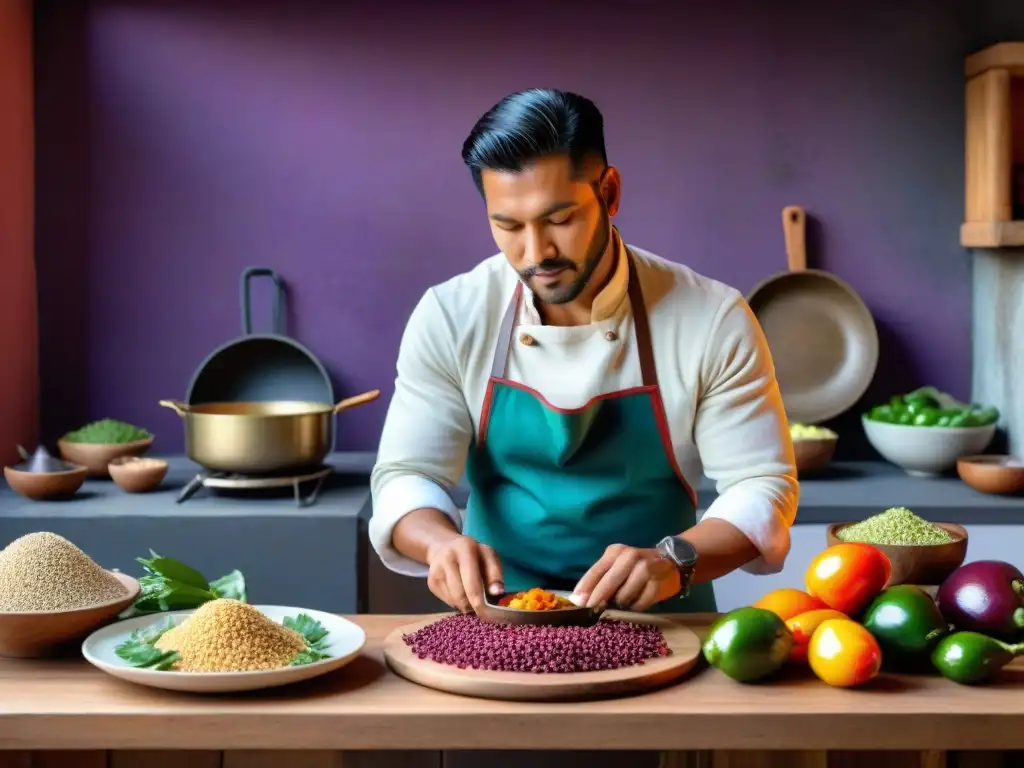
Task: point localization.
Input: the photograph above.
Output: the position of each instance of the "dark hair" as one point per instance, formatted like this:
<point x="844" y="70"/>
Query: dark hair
<point x="528" y="125"/>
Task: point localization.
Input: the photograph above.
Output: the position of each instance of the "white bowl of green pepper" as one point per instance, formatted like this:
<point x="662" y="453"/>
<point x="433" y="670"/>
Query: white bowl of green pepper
<point x="924" y="432"/>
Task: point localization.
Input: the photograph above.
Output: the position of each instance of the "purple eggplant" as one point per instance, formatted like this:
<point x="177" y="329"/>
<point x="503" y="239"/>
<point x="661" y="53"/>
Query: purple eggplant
<point x="985" y="596"/>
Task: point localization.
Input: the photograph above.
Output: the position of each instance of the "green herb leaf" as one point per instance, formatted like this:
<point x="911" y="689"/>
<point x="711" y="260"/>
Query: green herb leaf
<point x="174" y="570"/>
<point x="139" y="649"/>
<point x="312" y="630"/>
<point x="307" y="657"/>
<point x="149" y="635"/>
<point x="230" y="585"/>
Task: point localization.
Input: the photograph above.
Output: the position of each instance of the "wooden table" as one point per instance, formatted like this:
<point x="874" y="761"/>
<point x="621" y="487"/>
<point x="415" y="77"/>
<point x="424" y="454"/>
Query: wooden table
<point x="707" y="720"/>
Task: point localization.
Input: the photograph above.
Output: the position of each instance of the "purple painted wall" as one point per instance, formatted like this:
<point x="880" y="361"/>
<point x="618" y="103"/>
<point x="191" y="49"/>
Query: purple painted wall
<point x="179" y="143"/>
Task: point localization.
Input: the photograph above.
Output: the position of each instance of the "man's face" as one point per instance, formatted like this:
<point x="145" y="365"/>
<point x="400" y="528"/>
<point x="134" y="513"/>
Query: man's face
<point x="553" y="228"/>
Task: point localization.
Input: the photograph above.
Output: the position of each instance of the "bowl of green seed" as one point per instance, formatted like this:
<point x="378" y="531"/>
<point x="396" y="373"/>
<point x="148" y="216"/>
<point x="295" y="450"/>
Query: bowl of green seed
<point x="98" y="443"/>
<point x="921" y="552"/>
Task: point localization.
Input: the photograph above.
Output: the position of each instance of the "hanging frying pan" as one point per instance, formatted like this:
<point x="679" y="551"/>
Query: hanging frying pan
<point x="821" y="334"/>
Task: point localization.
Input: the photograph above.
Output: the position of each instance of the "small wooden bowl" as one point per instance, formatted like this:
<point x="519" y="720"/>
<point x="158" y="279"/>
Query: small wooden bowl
<point x="813" y="453"/>
<point x="135" y="474"/>
<point x="923" y="564"/>
<point x="495" y="613"/>
<point x="31" y="634"/>
<point x="96" y="457"/>
<point x="992" y="474"/>
<point x="39" y="486"/>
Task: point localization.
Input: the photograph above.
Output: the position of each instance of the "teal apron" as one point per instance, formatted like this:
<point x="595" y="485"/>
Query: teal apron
<point x="551" y="489"/>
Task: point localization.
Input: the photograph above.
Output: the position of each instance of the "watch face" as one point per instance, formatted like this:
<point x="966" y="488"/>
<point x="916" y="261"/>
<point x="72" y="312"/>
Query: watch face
<point x="680" y="550"/>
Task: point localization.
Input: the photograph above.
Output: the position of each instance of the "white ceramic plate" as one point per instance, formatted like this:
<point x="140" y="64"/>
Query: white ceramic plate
<point x="344" y="642"/>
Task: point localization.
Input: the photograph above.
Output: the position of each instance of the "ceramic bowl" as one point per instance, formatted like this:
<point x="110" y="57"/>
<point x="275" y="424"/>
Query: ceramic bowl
<point x="96" y="457"/>
<point x="39" y="486"/>
<point x="922" y="564"/>
<point x="992" y="474"/>
<point x="31" y="634"/>
<point x="135" y="474"/>
<point x="926" y="451"/>
<point x="813" y="453"/>
<point x="496" y="613"/>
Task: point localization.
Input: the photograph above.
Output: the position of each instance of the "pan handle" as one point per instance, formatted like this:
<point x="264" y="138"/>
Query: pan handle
<point x="278" y="318"/>
<point x="794" y="227"/>
<point x="178" y="407"/>
<point x="352" y="402"/>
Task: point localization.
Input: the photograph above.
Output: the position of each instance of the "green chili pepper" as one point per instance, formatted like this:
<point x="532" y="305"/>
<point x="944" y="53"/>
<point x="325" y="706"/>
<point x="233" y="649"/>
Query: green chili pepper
<point x="881" y="413"/>
<point x="982" y="416"/>
<point x="927" y="417"/>
<point x="920" y="401"/>
<point x="959" y="419"/>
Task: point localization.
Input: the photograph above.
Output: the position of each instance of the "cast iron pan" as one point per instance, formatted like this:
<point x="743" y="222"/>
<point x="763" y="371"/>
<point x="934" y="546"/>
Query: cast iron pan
<point x="821" y="334"/>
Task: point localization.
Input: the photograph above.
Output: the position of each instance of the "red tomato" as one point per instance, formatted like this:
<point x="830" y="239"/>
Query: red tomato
<point x="846" y="577"/>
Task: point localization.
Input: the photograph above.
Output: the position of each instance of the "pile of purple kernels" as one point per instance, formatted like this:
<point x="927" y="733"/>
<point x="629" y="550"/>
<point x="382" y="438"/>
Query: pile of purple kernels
<point x="466" y="642"/>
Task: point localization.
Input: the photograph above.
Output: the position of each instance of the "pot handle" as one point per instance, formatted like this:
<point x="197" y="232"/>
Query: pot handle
<point x="178" y="407"/>
<point x="352" y="402"/>
<point x="278" y="318"/>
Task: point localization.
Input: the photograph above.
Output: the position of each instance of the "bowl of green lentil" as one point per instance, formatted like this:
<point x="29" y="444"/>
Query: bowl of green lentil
<point x="98" y="443"/>
<point x="921" y="552"/>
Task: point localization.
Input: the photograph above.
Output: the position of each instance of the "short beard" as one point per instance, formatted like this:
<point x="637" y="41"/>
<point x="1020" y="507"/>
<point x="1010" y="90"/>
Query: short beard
<point x="594" y="254"/>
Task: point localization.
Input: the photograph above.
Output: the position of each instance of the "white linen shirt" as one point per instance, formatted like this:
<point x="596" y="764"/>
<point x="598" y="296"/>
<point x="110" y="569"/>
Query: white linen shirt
<point x="714" y="369"/>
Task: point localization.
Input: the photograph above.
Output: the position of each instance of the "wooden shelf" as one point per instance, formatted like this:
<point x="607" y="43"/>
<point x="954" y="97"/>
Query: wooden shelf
<point x="992" y="234"/>
<point x="1008" y="56"/>
<point x="994" y="146"/>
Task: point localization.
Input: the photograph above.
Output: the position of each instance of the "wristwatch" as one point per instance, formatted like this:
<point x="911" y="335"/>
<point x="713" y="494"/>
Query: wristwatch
<point x="683" y="555"/>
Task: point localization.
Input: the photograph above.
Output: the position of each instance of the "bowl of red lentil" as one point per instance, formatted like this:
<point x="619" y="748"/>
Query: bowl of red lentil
<point x="537" y="607"/>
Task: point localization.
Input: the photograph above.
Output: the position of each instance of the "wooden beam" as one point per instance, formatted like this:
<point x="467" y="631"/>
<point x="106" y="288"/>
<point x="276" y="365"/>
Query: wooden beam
<point x="988" y="152"/>
<point x="1008" y="56"/>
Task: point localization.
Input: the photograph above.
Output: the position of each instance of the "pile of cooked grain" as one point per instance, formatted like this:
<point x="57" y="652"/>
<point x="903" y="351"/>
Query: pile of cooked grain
<point x="46" y="572"/>
<point x="228" y="635"/>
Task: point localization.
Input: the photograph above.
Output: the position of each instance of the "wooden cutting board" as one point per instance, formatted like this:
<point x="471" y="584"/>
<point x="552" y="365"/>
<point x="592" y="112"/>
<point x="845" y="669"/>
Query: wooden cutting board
<point x="526" y="686"/>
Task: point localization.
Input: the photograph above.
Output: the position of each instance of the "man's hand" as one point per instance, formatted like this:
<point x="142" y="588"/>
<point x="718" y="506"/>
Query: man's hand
<point x="630" y="578"/>
<point x="459" y="567"/>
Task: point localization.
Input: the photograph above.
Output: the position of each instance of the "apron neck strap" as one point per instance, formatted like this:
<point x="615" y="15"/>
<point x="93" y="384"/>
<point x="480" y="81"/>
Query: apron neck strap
<point x="641" y="328"/>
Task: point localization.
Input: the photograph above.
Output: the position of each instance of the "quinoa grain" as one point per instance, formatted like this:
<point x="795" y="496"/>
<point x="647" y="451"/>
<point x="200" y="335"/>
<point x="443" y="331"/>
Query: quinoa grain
<point x="227" y="635"/>
<point x="46" y="572"/>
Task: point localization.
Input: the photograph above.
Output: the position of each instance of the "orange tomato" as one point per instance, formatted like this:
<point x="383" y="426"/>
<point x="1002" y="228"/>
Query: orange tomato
<point x="787" y="603"/>
<point x="802" y="627"/>
<point x="844" y="654"/>
<point x="846" y="577"/>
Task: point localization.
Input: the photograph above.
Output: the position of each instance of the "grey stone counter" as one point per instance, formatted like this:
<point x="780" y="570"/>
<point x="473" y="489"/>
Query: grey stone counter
<point x="319" y="556"/>
<point x="310" y="557"/>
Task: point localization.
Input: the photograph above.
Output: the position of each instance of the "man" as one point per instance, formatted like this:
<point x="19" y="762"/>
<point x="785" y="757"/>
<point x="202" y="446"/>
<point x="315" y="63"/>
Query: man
<point x="582" y="384"/>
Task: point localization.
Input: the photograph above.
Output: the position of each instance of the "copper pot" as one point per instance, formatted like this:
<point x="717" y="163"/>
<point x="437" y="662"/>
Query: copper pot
<point x="261" y="437"/>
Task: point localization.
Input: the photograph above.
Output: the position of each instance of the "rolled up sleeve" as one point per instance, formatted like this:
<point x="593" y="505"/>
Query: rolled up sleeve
<point x="742" y="434"/>
<point x="426" y="434"/>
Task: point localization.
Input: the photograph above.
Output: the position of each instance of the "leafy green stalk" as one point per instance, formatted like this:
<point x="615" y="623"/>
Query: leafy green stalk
<point x="170" y="585"/>
<point x="315" y="635"/>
